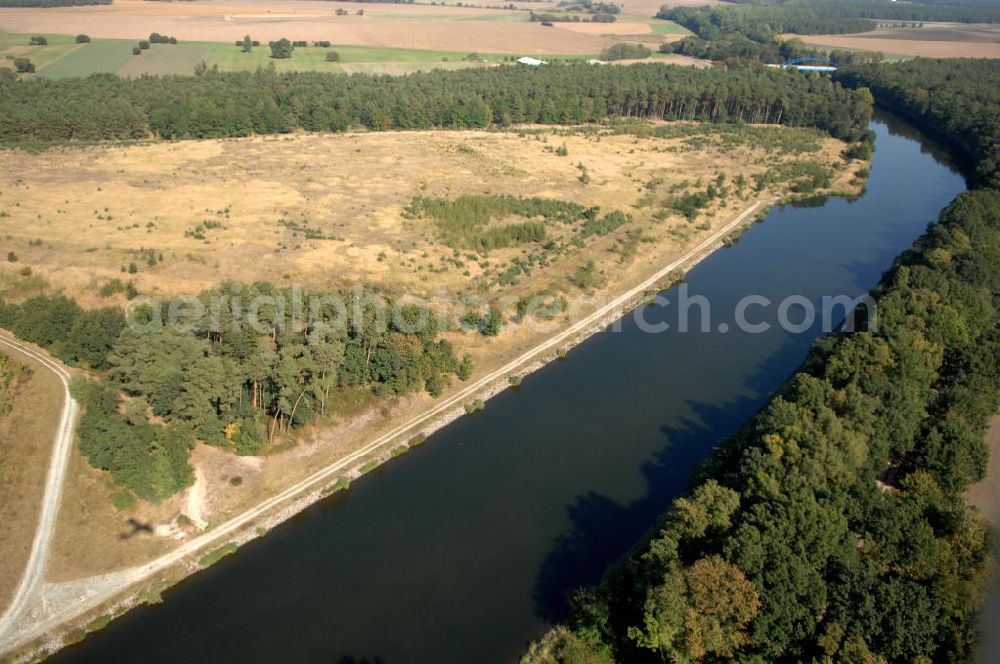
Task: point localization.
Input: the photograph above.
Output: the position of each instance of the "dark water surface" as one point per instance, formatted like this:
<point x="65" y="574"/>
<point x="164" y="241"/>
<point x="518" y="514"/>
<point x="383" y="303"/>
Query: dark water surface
<point x="462" y="550"/>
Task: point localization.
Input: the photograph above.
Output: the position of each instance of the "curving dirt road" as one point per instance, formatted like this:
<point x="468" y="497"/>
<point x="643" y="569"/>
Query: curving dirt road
<point x="31" y="581"/>
<point x="102" y="589"/>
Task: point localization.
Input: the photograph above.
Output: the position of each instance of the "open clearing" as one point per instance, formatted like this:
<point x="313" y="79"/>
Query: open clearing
<point x="26" y="390"/>
<point x="236" y="209"/>
<point x="933" y="40"/>
<point x="78" y="216"/>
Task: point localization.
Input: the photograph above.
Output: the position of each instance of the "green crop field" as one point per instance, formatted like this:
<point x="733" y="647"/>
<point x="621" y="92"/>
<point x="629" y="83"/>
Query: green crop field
<point x="101" y="56"/>
<point x="658" y="26"/>
<point x="229" y="57"/>
<point x="63" y="58"/>
<point x="16" y="46"/>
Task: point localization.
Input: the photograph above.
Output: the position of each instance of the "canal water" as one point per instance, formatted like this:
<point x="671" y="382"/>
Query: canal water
<point x="463" y="550"/>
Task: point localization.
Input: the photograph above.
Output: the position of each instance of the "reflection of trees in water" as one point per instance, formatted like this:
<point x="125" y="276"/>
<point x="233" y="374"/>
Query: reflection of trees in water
<point x="935" y="147"/>
<point x="603" y="530"/>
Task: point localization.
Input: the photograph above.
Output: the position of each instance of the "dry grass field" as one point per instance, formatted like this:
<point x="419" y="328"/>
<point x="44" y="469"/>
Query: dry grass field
<point x="933" y="40"/>
<point x="26" y="391"/>
<point x="77" y="216"/>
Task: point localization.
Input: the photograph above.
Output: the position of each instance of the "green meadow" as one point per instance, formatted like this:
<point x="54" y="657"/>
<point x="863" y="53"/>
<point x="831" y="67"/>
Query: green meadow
<point x="64" y="58"/>
<point x="16" y="46"/>
<point x="658" y="26"/>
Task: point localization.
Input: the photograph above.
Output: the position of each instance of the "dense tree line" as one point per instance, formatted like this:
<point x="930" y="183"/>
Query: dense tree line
<point x="751" y="31"/>
<point x="731" y="48"/>
<point x="737" y="49"/>
<point x="104" y="107"/>
<point x="957" y="11"/>
<point x="78" y="336"/>
<point x="626" y="51"/>
<point x="548" y="18"/>
<point x="957" y="99"/>
<point x="730" y="37"/>
<point x="225" y="381"/>
<point x="763" y="21"/>
<point x="146" y="459"/>
<point x="589" y="6"/>
<point x="834" y="527"/>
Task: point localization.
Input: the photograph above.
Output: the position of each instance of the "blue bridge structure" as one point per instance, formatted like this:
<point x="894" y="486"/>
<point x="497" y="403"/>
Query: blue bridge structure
<point x="811" y="64"/>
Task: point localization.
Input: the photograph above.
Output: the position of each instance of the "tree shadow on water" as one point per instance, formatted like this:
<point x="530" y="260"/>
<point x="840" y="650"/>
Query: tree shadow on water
<point x="603" y="529"/>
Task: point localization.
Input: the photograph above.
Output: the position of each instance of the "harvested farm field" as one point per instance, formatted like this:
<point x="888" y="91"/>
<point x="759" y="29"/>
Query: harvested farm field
<point x="933" y="40"/>
<point x="399" y="26"/>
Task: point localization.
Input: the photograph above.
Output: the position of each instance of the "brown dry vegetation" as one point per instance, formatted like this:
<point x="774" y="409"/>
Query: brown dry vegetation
<point x="26" y="438"/>
<point x="352" y="187"/>
<point x="933" y="40"/>
<point x="77" y="216"/>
